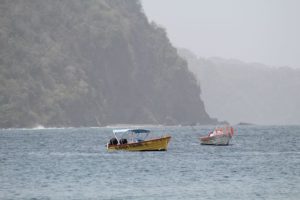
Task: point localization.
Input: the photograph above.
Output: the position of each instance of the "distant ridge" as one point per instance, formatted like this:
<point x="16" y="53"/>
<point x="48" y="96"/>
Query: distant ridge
<point x="237" y="91"/>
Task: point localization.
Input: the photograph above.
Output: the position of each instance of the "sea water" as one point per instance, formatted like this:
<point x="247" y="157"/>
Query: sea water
<point x="261" y="162"/>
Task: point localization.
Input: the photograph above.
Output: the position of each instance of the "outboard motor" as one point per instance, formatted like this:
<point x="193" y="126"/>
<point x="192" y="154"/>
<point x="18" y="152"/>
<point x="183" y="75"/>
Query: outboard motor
<point x="123" y="141"/>
<point x="113" y="141"/>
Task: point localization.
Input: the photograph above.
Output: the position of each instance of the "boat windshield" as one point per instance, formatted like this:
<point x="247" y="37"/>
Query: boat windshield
<point x="228" y="130"/>
<point x="133" y="135"/>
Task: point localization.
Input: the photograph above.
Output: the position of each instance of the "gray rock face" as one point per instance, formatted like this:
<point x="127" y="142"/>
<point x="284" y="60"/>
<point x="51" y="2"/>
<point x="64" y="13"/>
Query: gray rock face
<point x="85" y="63"/>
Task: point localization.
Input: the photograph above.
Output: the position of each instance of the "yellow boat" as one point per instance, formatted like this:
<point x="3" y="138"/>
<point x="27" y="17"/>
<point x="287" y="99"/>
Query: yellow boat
<point x="135" y="140"/>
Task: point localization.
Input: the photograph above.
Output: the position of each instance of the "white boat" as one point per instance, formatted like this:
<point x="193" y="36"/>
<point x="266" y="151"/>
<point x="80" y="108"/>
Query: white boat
<point x="220" y="136"/>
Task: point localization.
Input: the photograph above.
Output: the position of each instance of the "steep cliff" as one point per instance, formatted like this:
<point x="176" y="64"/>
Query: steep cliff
<point x="85" y="63"/>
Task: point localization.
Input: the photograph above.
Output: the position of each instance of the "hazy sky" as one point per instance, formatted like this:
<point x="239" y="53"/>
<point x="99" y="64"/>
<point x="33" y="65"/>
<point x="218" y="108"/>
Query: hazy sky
<point x="265" y="31"/>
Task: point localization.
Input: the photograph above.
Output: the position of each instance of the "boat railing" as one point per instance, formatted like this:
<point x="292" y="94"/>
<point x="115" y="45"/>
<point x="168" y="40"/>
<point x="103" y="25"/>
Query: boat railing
<point x="228" y="131"/>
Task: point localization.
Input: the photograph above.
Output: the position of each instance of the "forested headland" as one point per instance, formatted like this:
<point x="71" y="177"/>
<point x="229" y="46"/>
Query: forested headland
<point x="88" y="63"/>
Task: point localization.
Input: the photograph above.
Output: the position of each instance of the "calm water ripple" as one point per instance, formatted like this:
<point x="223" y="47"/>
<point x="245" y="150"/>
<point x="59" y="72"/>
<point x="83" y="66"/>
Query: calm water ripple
<point x="263" y="162"/>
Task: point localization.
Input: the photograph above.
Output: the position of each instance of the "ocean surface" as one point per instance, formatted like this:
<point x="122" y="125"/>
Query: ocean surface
<point x="262" y="162"/>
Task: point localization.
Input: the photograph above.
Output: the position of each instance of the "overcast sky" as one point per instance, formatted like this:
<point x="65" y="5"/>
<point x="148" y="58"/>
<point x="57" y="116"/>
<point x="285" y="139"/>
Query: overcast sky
<point x="264" y="31"/>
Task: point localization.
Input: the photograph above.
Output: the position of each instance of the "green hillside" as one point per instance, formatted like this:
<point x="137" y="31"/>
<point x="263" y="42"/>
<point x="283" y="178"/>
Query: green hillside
<point x="89" y="63"/>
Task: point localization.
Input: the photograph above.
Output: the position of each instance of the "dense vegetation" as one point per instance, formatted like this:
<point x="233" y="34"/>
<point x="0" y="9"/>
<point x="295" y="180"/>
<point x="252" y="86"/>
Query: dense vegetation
<point x="247" y="92"/>
<point x="85" y="63"/>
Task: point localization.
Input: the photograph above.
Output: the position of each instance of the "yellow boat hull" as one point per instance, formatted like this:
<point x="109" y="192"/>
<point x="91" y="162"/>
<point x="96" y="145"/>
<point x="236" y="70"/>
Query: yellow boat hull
<point x="159" y="144"/>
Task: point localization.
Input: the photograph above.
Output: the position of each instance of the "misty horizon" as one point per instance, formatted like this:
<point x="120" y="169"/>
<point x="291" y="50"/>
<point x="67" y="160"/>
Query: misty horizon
<point x="236" y="91"/>
<point x="263" y="32"/>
